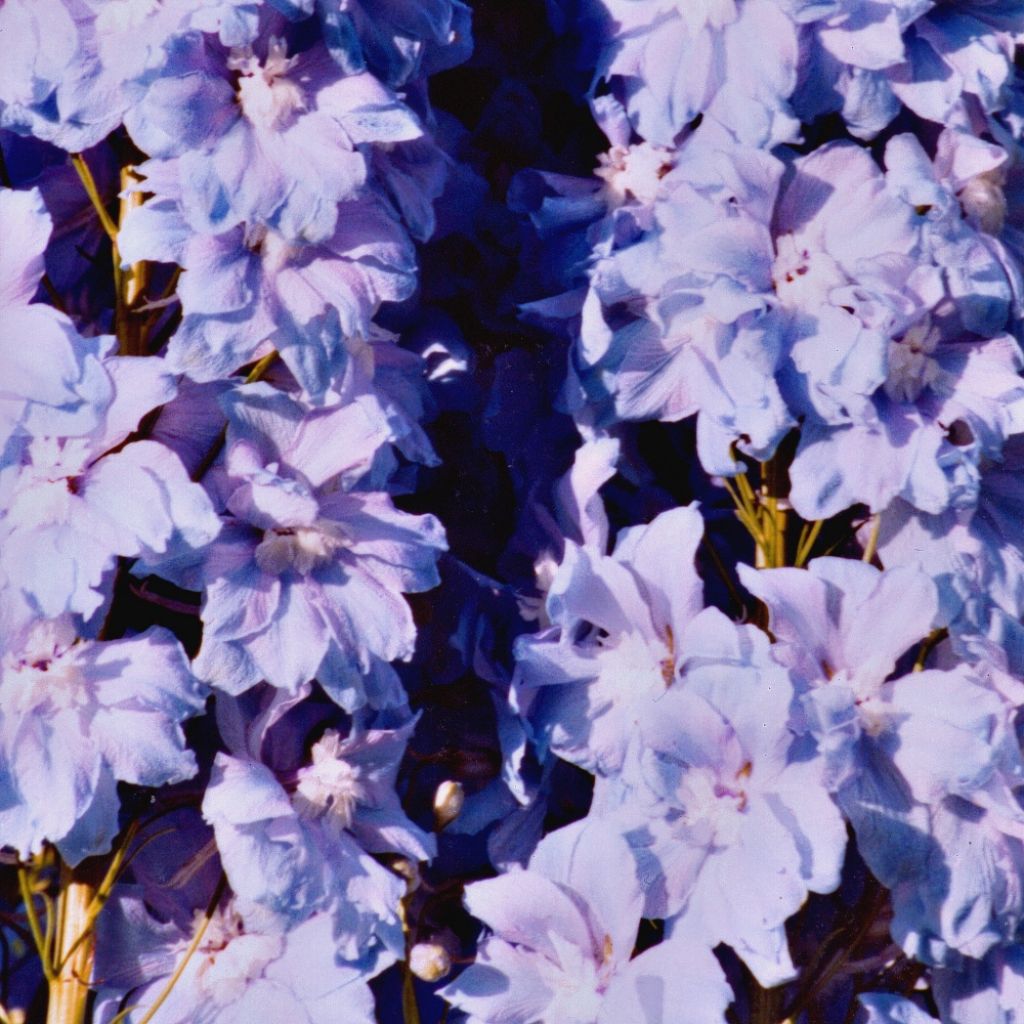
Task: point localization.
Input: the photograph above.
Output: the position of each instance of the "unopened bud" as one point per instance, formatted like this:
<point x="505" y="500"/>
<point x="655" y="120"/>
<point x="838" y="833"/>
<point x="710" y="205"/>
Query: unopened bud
<point x="429" y="961"/>
<point x="409" y="870"/>
<point x="448" y="801"/>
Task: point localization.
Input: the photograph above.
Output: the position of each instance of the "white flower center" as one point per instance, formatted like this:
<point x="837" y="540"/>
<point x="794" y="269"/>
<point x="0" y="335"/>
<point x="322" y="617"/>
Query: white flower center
<point x="329" y="788"/>
<point x="874" y="714"/>
<point x="268" y="98"/>
<point x="637" y="668"/>
<point x="633" y="171"/>
<point x="576" y="984"/>
<point x="911" y="366"/>
<point x="300" y="548"/>
<point x="229" y="959"/>
<point x="804" y="276"/>
<point x="42" y="673"/>
<point x="983" y="199"/>
<point x="717" y="799"/>
<point x="274" y="250"/>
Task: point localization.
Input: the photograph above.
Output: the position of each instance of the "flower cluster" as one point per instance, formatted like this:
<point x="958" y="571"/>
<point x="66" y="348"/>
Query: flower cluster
<point x="518" y="536"/>
<point x="204" y="426"/>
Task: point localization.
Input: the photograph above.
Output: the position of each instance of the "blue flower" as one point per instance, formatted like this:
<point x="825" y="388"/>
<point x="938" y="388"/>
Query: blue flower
<point x="619" y="634"/>
<point x="974" y="554"/>
<point x="281" y="139"/>
<point x="306" y="577"/>
<point x="724" y="804"/>
<point x="561" y="939"/>
<point x="79" y="717"/>
<point x="924" y="764"/>
<point x="65" y="520"/>
<point x="73" y="66"/>
<point x="982" y="991"/>
<point x="245" y="968"/>
<point x="56" y="386"/>
<point x="311" y="848"/>
<point x="939" y="60"/>
<point x="396" y="39"/>
<point x="249" y="286"/>
<point x="669" y="62"/>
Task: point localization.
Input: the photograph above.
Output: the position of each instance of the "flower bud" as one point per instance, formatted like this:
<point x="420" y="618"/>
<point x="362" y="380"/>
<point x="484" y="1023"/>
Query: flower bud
<point x="409" y="870"/>
<point x="448" y="801"/>
<point x="429" y="961"/>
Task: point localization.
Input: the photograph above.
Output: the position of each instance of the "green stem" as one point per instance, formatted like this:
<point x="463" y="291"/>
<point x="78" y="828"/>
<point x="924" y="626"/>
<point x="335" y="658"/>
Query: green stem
<point x="808" y="538"/>
<point x="33" y="921"/>
<point x="410" y="1007"/>
<point x="928" y="644"/>
<point x="871" y="548"/>
<point x="98" y="901"/>
<point x="89" y="183"/>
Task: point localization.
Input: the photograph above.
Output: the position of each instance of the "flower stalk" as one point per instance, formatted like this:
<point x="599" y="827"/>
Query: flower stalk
<point x="73" y="950"/>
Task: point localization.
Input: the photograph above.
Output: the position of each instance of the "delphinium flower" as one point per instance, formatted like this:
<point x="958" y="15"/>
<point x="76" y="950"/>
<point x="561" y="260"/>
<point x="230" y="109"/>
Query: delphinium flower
<point x="306" y="577"/>
<point x="57" y="385"/>
<point x="981" y="991"/>
<point x="397" y="41"/>
<point x="940" y="60"/>
<point x="923" y="764"/>
<point x="619" y="630"/>
<point x="561" y="939"/>
<point x="989" y="991"/>
<point x="65" y="521"/>
<point x="889" y="336"/>
<point x="282" y="139"/>
<point x="639" y="686"/>
<point x="48" y="88"/>
<point x="674" y="320"/>
<point x="973" y="554"/>
<point x="244" y="967"/>
<point x="249" y="288"/>
<point x="77" y="718"/>
<point x="670" y="61"/>
<point x="74" y="62"/>
<point x="950" y="391"/>
<point x="725" y="804"/>
<point x="301" y="841"/>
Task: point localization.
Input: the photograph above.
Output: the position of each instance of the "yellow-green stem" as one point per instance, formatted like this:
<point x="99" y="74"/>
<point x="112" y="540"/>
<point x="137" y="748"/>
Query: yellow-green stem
<point x="871" y="548"/>
<point x="410" y="1008"/>
<point x="89" y="183"/>
<point x="808" y="538"/>
<point x="100" y="895"/>
<point x="928" y="644"/>
<point x="129" y="326"/>
<point x="28" y="899"/>
<point x="774" y="515"/>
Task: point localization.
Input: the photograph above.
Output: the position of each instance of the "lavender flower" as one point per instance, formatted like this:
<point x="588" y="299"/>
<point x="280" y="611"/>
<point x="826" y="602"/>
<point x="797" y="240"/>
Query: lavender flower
<point x="79" y="717"/>
<point x="561" y="942"/>
<point x="245" y="968"/>
<point x="65" y="520"/>
<point x="305" y="579"/>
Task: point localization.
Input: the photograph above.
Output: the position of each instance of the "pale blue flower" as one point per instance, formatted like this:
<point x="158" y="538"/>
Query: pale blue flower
<point x="561" y="940"/>
<point x="78" y="717"/>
